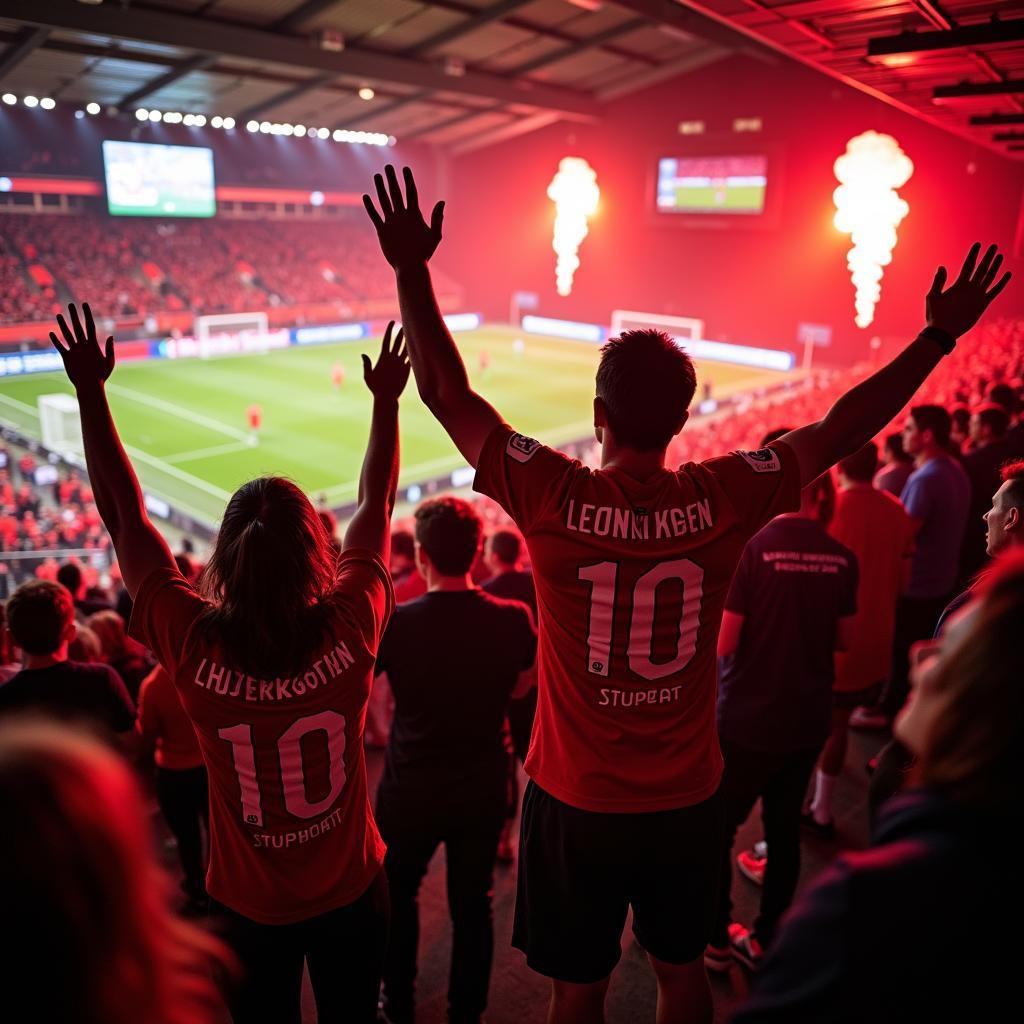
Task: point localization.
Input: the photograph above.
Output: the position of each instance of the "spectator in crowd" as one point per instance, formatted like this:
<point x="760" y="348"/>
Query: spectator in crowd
<point x="9" y="663"/>
<point x="71" y="576"/>
<point x="590" y="759"/>
<point x="843" y="953"/>
<point x="789" y="608"/>
<point x="937" y="498"/>
<point x="989" y="450"/>
<point x="453" y="657"/>
<point x="127" y="656"/>
<point x="169" y="740"/>
<point x="79" y="882"/>
<point x="509" y="579"/>
<point x="86" y="646"/>
<point x="409" y="582"/>
<point x="876" y="528"/>
<point x="1008" y="397"/>
<point x="959" y="429"/>
<point x="896" y="467"/>
<point x="280" y="645"/>
<point x="41" y="620"/>
<point x="1004" y="536"/>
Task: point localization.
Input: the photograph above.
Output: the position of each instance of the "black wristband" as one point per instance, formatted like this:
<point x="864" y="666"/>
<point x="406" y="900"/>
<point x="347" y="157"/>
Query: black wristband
<point x="942" y="338"/>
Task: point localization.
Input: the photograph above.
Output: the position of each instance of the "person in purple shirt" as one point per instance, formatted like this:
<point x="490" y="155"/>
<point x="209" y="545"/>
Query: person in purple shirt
<point x="937" y="496"/>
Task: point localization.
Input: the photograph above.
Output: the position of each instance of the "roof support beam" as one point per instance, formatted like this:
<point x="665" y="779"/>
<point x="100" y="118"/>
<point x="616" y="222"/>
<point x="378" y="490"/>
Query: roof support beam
<point x="287" y="96"/>
<point x="972" y="90"/>
<point x="997" y="119"/>
<point x="199" y="62"/>
<point x="590" y="43"/>
<point x="27" y="40"/>
<point x="495" y="12"/>
<point x="304" y="12"/>
<point x="218" y="38"/>
<point x="991" y="33"/>
<point x="1009" y="136"/>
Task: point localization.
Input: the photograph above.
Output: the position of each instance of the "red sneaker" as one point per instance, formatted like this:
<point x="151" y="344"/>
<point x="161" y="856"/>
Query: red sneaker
<point x="745" y="948"/>
<point x="751" y="866"/>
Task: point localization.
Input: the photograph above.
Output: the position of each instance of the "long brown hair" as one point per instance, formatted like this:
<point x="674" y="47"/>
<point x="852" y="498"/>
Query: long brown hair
<point x="975" y="749"/>
<point x="91" y="937"/>
<point x="268" y="577"/>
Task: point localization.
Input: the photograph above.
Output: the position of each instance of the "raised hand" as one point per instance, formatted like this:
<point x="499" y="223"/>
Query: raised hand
<point x="388" y="378"/>
<point x="405" y="237"/>
<point x="957" y="309"/>
<point x="84" y="361"/>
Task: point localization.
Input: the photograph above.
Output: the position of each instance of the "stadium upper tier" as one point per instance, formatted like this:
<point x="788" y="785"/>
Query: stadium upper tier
<point x="140" y="267"/>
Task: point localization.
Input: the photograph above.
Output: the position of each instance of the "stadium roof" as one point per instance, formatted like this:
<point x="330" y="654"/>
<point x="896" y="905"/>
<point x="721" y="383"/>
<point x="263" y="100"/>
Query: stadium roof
<point x="467" y="73"/>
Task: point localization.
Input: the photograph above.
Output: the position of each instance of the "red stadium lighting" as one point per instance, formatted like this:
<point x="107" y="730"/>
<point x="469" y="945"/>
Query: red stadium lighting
<point x="869" y="209"/>
<point x="575" y="193"/>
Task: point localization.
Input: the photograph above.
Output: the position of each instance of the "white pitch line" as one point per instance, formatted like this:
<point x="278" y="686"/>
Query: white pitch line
<point x="20" y="406"/>
<point x="189" y="415"/>
<point x="180" y="474"/>
<point x="202" y="453"/>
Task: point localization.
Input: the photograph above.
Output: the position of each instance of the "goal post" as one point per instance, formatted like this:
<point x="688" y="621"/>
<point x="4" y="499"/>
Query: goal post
<point x="231" y="323"/>
<point x="685" y="328"/>
<point x="60" y="424"/>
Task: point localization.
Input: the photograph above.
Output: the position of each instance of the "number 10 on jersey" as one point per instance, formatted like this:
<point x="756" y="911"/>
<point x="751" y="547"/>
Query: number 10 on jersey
<point x="603" y="580"/>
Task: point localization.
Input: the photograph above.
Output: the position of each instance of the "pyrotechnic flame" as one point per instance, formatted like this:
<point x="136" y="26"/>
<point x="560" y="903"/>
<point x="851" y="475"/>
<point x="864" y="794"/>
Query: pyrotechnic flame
<point x="869" y="210"/>
<point x="575" y="194"/>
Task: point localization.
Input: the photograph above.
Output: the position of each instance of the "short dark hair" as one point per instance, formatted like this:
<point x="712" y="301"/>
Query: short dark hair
<point x="960" y="415"/>
<point x="1013" y="473"/>
<point x="646" y="382"/>
<point x="993" y="416"/>
<point x="38" y="613"/>
<point x="448" y="529"/>
<point x="935" y="419"/>
<point x="773" y="435"/>
<point x="1004" y="395"/>
<point x="70" y="576"/>
<point x="403" y="543"/>
<point x="506" y="546"/>
<point x="894" y="446"/>
<point x="861" y="465"/>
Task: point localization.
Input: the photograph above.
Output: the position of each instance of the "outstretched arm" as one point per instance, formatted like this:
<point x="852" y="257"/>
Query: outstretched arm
<point x="866" y="409"/>
<point x="140" y="548"/>
<point x="378" y="482"/>
<point x="408" y="242"/>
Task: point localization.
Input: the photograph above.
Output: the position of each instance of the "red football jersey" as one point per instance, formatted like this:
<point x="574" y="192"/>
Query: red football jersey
<point x="631" y="581"/>
<point x="291" y="830"/>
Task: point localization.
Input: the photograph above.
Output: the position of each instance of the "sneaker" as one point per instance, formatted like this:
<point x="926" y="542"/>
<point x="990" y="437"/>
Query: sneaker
<point x="745" y="947"/>
<point x="869" y="719"/>
<point x="718" y="958"/>
<point x="815" y="827"/>
<point x="752" y="866"/>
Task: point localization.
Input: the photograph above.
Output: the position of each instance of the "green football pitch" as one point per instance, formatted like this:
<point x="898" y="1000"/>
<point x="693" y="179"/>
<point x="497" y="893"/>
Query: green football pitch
<point x="184" y="422"/>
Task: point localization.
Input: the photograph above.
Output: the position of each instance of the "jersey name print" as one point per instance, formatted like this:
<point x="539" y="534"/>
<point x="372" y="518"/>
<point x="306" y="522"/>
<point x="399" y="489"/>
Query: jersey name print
<point x="631" y="580"/>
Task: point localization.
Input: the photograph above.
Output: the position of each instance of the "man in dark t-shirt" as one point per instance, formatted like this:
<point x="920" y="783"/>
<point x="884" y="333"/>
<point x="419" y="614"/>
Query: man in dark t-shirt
<point x="453" y="657"/>
<point x="787" y="612"/>
<point x="41" y="620"/>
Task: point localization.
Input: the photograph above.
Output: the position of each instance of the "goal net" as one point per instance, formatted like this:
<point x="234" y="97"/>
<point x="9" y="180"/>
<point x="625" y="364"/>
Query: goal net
<point x="684" y="328"/>
<point x="60" y="424"/>
<point x="231" y="323"/>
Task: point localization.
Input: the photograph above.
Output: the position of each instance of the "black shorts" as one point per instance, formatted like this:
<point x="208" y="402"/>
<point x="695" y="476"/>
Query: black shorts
<point x="580" y="872"/>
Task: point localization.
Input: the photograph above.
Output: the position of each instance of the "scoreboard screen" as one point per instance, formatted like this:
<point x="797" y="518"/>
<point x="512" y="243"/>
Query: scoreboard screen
<point x="712" y="184"/>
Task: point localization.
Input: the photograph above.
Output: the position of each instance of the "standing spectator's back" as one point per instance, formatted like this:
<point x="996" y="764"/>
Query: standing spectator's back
<point x="453" y="658"/>
<point x="41" y="619"/>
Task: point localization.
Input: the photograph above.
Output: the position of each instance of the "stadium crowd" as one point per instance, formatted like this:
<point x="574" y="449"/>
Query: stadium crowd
<point x="662" y="648"/>
<point x="215" y="266"/>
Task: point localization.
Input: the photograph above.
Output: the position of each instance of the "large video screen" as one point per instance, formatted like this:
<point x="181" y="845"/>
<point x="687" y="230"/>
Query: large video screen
<point x="712" y="184"/>
<point x="147" y="180"/>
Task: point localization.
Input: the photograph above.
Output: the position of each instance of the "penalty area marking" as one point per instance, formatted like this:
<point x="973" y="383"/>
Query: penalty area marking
<point x="189" y="415"/>
<point x="202" y="453"/>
